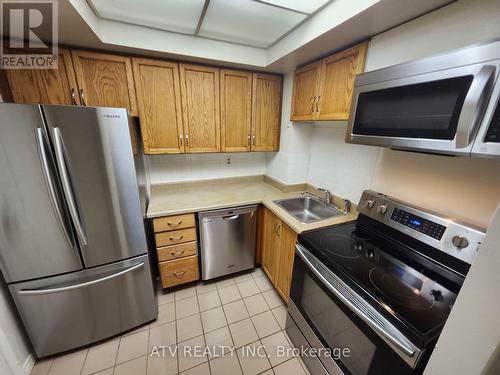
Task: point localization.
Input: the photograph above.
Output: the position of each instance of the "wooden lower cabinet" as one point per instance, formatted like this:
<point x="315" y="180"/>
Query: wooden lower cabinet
<point x="177" y="249"/>
<point x="277" y="251"/>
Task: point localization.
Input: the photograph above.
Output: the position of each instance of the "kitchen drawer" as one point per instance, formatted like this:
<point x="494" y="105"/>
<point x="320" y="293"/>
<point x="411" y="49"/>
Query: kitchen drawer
<point x="168" y="223"/>
<point x="175" y="236"/>
<point x="179" y="271"/>
<point x="177" y="251"/>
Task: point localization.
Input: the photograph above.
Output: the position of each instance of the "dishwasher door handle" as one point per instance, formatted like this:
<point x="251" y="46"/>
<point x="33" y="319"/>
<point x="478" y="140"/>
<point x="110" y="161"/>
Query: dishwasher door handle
<point x="231" y="217"/>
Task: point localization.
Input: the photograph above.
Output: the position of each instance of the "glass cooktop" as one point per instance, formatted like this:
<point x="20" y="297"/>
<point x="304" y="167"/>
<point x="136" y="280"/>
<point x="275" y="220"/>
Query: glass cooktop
<point x="404" y="291"/>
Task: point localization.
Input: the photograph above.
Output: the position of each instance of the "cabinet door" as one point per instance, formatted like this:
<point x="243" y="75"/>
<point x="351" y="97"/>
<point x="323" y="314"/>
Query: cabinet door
<point x="200" y="104"/>
<point x="159" y="100"/>
<point x="337" y="82"/>
<point x="235" y="110"/>
<point x="45" y="86"/>
<point x="288" y="238"/>
<point x="266" y="112"/>
<point x="105" y="80"/>
<point x="305" y="88"/>
<point x="270" y="244"/>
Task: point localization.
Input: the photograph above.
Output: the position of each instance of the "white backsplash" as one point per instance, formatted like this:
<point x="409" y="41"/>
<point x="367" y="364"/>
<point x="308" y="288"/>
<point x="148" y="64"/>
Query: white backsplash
<point x="188" y="167"/>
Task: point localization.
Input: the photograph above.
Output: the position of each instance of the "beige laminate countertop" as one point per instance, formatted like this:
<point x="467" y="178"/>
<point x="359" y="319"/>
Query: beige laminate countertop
<point x="178" y="198"/>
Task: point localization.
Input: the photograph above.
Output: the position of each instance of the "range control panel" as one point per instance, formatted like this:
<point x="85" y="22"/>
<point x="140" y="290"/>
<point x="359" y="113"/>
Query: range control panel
<point x="493" y="132"/>
<point x="418" y="223"/>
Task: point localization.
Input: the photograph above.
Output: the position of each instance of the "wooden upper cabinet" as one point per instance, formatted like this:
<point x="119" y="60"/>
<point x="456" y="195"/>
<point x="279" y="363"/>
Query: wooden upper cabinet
<point x="235" y="110"/>
<point x="305" y="87"/>
<point x="159" y="100"/>
<point x="45" y="86"/>
<point x="200" y="107"/>
<point x="266" y="112"/>
<point x="105" y="80"/>
<point x="337" y="82"/>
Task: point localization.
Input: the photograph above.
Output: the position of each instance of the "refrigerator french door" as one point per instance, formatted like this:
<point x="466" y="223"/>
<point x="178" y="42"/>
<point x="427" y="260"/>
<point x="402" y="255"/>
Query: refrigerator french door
<point x="72" y="242"/>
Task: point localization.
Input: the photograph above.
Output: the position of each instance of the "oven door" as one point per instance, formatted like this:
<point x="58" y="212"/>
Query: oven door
<point x="437" y="112"/>
<point x="341" y="319"/>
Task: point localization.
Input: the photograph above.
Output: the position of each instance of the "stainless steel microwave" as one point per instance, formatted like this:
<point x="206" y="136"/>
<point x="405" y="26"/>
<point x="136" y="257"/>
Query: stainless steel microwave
<point x="444" y="104"/>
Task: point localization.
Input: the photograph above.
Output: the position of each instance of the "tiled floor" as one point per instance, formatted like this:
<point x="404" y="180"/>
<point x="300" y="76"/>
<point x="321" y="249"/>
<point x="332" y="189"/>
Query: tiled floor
<point x="243" y="312"/>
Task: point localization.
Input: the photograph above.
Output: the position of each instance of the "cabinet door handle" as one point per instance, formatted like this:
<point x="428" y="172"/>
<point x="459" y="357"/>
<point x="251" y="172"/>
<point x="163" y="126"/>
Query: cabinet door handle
<point x="82" y="99"/>
<point x="178" y="252"/>
<point x="253" y="139"/>
<point x="176" y="238"/>
<point x="317" y="103"/>
<point x="180" y="138"/>
<point x="73" y="96"/>
<point x="179" y="273"/>
<point x="278" y="230"/>
<point x="313" y="99"/>
<point x="174" y="224"/>
<point x="187" y="140"/>
<point x="249" y="140"/>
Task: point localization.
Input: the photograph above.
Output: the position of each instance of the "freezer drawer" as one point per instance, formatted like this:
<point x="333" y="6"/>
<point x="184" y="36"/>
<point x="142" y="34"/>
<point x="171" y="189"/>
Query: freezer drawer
<point x="72" y="310"/>
<point x="227" y="241"/>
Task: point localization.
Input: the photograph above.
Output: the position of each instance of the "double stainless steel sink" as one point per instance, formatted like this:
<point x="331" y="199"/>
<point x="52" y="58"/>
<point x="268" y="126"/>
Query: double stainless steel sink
<point x="308" y="209"/>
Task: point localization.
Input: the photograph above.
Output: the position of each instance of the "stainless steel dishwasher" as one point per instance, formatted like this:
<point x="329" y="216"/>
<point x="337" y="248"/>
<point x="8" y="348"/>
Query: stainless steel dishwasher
<point x="227" y="240"/>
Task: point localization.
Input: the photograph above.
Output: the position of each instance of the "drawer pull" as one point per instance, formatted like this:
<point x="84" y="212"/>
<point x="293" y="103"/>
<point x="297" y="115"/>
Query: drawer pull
<point x="174" y="225"/>
<point x="178" y="252"/>
<point x="176" y="238"/>
<point x="178" y="273"/>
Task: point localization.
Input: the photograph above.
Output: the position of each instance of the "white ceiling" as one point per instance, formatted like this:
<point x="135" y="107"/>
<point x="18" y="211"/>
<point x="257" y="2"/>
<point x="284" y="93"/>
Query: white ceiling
<point x="256" y="23"/>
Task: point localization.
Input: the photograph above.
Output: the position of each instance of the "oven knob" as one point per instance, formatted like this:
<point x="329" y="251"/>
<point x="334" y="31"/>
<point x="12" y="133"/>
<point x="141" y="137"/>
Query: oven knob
<point x="369" y="203"/>
<point x="382" y="209"/>
<point x="460" y="242"/>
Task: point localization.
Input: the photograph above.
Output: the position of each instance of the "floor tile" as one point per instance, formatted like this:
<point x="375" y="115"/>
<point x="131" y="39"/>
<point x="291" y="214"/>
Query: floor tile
<point x="188" y="356"/>
<point x="165" y="364"/>
<point x="263" y="283"/>
<point x="185" y="293"/>
<point x="290" y="367"/>
<point x="243" y="277"/>
<point x="257" y="272"/>
<point x="108" y="371"/>
<point x="132" y="346"/>
<point x="304" y="367"/>
<point x="42" y="367"/>
<point x="202" y="369"/>
<point x="268" y="372"/>
<point x="219" y="341"/>
<point x="255" y="304"/>
<point x="100" y="357"/>
<point x="235" y="311"/>
<point x="243" y="332"/>
<point x="251" y="362"/>
<point x="186" y="307"/>
<point x="71" y="363"/>
<point x="280" y="313"/>
<point x="225" y="282"/>
<point x="272" y="343"/>
<point x="209" y="300"/>
<point x="229" y="294"/>
<point x="225" y="365"/>
<point x="204" y="287"/>
<point x="248" y="288"/>
<point x="265" y="324"/>
<point x="165" y="297"/>
<point x="189" y="327"/>
<point x="164" y="335"/>
<point x="166" y="313"/>
<point x="273" y="299"/>
<point x="213" y="319"/>
<point x="134" y="367"/>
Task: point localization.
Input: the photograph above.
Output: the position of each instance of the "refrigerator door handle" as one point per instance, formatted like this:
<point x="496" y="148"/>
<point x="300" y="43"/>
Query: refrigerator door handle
<point x="68" y="186"/>
<point x="66" y="288"/>
<point x="41" y="142"/>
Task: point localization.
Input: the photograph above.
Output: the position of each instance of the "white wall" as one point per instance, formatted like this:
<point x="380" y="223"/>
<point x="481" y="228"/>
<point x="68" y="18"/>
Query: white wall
<point x="187" y="167"/>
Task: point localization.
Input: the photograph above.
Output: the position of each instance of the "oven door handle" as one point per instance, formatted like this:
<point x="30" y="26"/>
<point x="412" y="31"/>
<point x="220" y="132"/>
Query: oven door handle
<point x="396" y="337"/>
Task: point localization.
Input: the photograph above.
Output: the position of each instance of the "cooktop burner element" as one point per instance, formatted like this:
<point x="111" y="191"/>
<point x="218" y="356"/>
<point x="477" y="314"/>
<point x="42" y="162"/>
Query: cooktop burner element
<point x="341" y="246"/>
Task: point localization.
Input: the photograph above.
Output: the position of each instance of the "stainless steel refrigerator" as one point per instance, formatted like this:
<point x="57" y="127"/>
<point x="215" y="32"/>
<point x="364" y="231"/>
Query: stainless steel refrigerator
<point x="72" y="239"/>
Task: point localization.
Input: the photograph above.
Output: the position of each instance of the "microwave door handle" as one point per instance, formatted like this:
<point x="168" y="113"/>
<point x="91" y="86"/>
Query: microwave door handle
<point x="42" y="152"/>
<point x="474" y="106"/>
<point x="68" y="186"/>
<point x="397" y="341"/>
<point x="66" y="288"/>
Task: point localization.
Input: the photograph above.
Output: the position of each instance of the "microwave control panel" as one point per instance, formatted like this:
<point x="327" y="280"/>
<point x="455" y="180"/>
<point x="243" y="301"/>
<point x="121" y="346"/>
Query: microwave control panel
<point x="493" y="132"/>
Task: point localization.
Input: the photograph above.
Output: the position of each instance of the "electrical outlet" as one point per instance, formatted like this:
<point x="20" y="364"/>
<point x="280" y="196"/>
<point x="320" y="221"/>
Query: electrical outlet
<point x="228" y="161"/>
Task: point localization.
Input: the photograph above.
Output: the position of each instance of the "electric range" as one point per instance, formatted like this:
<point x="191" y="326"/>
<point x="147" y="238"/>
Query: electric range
<point x="381" y="286"/>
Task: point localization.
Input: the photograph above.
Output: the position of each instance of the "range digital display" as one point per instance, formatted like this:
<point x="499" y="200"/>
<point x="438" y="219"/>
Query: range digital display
<point x="418" y="223"/>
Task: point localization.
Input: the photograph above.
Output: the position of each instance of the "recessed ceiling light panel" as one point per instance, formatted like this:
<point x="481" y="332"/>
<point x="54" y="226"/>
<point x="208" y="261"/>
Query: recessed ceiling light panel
<point x="305" y="6"/>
